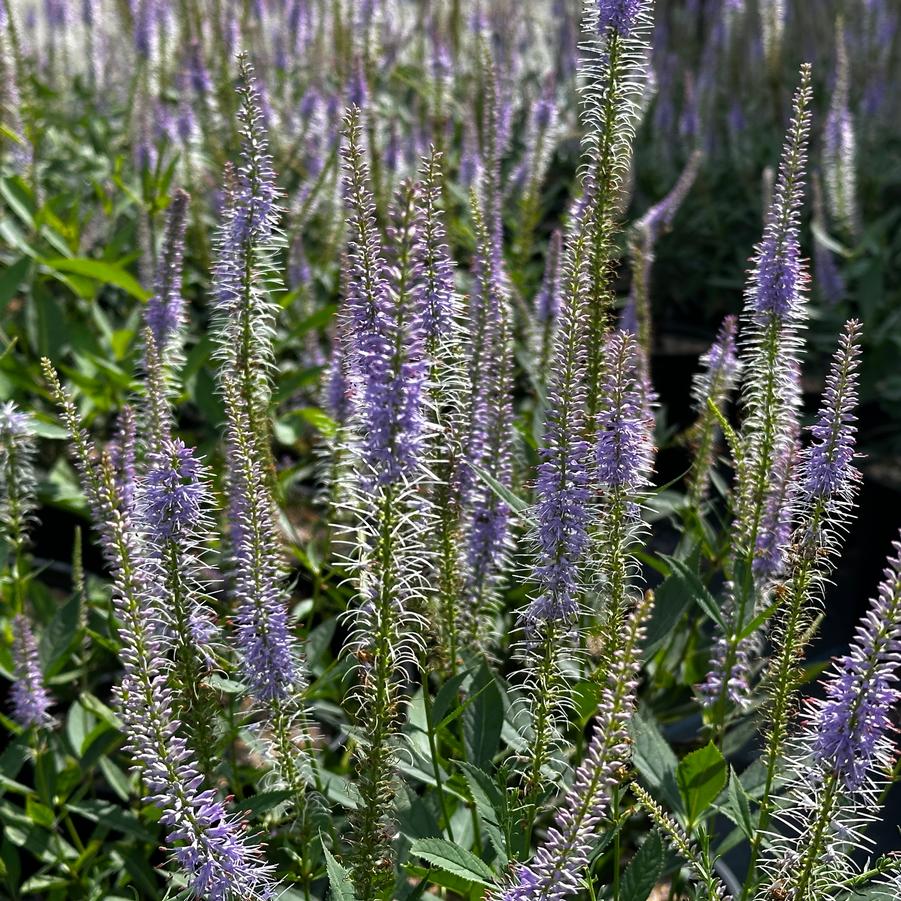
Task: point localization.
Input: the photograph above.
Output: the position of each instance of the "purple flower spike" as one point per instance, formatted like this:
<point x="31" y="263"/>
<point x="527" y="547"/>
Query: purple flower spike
<point x="174" y="492"/>
<point x="853" y="722"/>
<point x="387" y="331"/>
<point x="618" y="15"/>
<point x="164" y="314"/>
<point x="624" y="446"/>
<point x="776" y="522"/>
<point x="828" y="462"/>
<point x="778" y="277"/>
<point x="30" y="700"/>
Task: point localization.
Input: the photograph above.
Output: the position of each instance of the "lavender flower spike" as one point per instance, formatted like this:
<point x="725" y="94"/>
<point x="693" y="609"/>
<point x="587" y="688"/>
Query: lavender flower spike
<point x="713" y="385"/>
<point x="30" y="699"/>
<point x="828" y="463"/>
<point x="624" y="447"/>
<point x="556" y="870"/>
<point x="853" y="723"/>
<point x="164" y="314"/>
<point x="17" y="482"/>
<point x="778" y="278"/>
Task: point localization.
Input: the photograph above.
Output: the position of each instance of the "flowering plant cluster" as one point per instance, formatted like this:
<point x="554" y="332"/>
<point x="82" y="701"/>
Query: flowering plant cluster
<point x="376" y="588"/>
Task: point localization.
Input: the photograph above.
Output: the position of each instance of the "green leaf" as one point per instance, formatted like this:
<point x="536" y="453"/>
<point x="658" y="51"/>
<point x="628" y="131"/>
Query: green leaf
<point x="111" y="816"/>
<point x="10" y="280"/>
<point x="697" y="590"/>
<point x="452" y="858"/>
<point x="262" y="802"/>
<point x="643" y="871"/>
<point x="446" y="696"/>
<point x="491" y="806"/>
<point x="340" y="886"/>
<point x="513" y="501"/>
<point x="701" y="777"/>
<point x="483" y="719"/>
<point x="106" y="273"/>
<point x="227" y="686"/>
<point x="738" y="807"/>
<point x="654" y="759"/>
<point x="671" y="598"/>
<point x="60" y="635"/>
<point x="38" y="813"/>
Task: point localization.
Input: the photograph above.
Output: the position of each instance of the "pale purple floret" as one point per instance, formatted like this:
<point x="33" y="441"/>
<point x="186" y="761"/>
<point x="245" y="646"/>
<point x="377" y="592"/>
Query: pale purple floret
<point x="145" y="18"/>
<point x="852" y="724"/>
<point x="173" y="492"/>
<point x="337" y="397"/>
<point x="618" y="15"/>
<point x="828" y="461"/>
<point x="722" y="358"/>
<point x="30" y="699"/>
<point x="624" y="448"/>
<point x="778" y="277"/>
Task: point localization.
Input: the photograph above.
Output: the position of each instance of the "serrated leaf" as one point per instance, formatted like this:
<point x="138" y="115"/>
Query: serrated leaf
<point x="452" y="858"/>
<point x="340" y="886"/>
<point x="701" y="777"/>
<point x="643" y="871"/>
<point x="491" y="806"/>
<point x="654" y="759"/>
<point x="738" y="807"/>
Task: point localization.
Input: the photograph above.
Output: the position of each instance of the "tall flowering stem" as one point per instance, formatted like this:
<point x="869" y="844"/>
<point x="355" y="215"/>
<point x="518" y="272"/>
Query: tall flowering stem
<point x="642" y="238"/>
<point x="172" y="514"/>
<point x="270" y="656"/>
<point x="712" y="386"/>
<point x="557" y="868"/>
<point x="842" y="756"/>
<point x="547" y="303"/>
<point x="244" y="314"/>
<point x="612" y="75"/>
<point x="828" y="484"/>
<point x="447" y="392"/>
<point x="389" y="365"/>
<point x="563" y="513"/>
<point x="540" y="139"/>
<point x="164" y="319"/>
<point x="773" y="317"/>
<point x="624" y="458"/>
<point x="489" y="443"/>
<point x="29" y="696"/>
<point x="840" y="145"/>
<point x="209" y="844"/>
<point x="17" y="485"/>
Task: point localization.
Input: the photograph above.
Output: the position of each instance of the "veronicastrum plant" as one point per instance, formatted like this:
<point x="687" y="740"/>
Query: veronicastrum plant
<point x="389" y="602"/>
